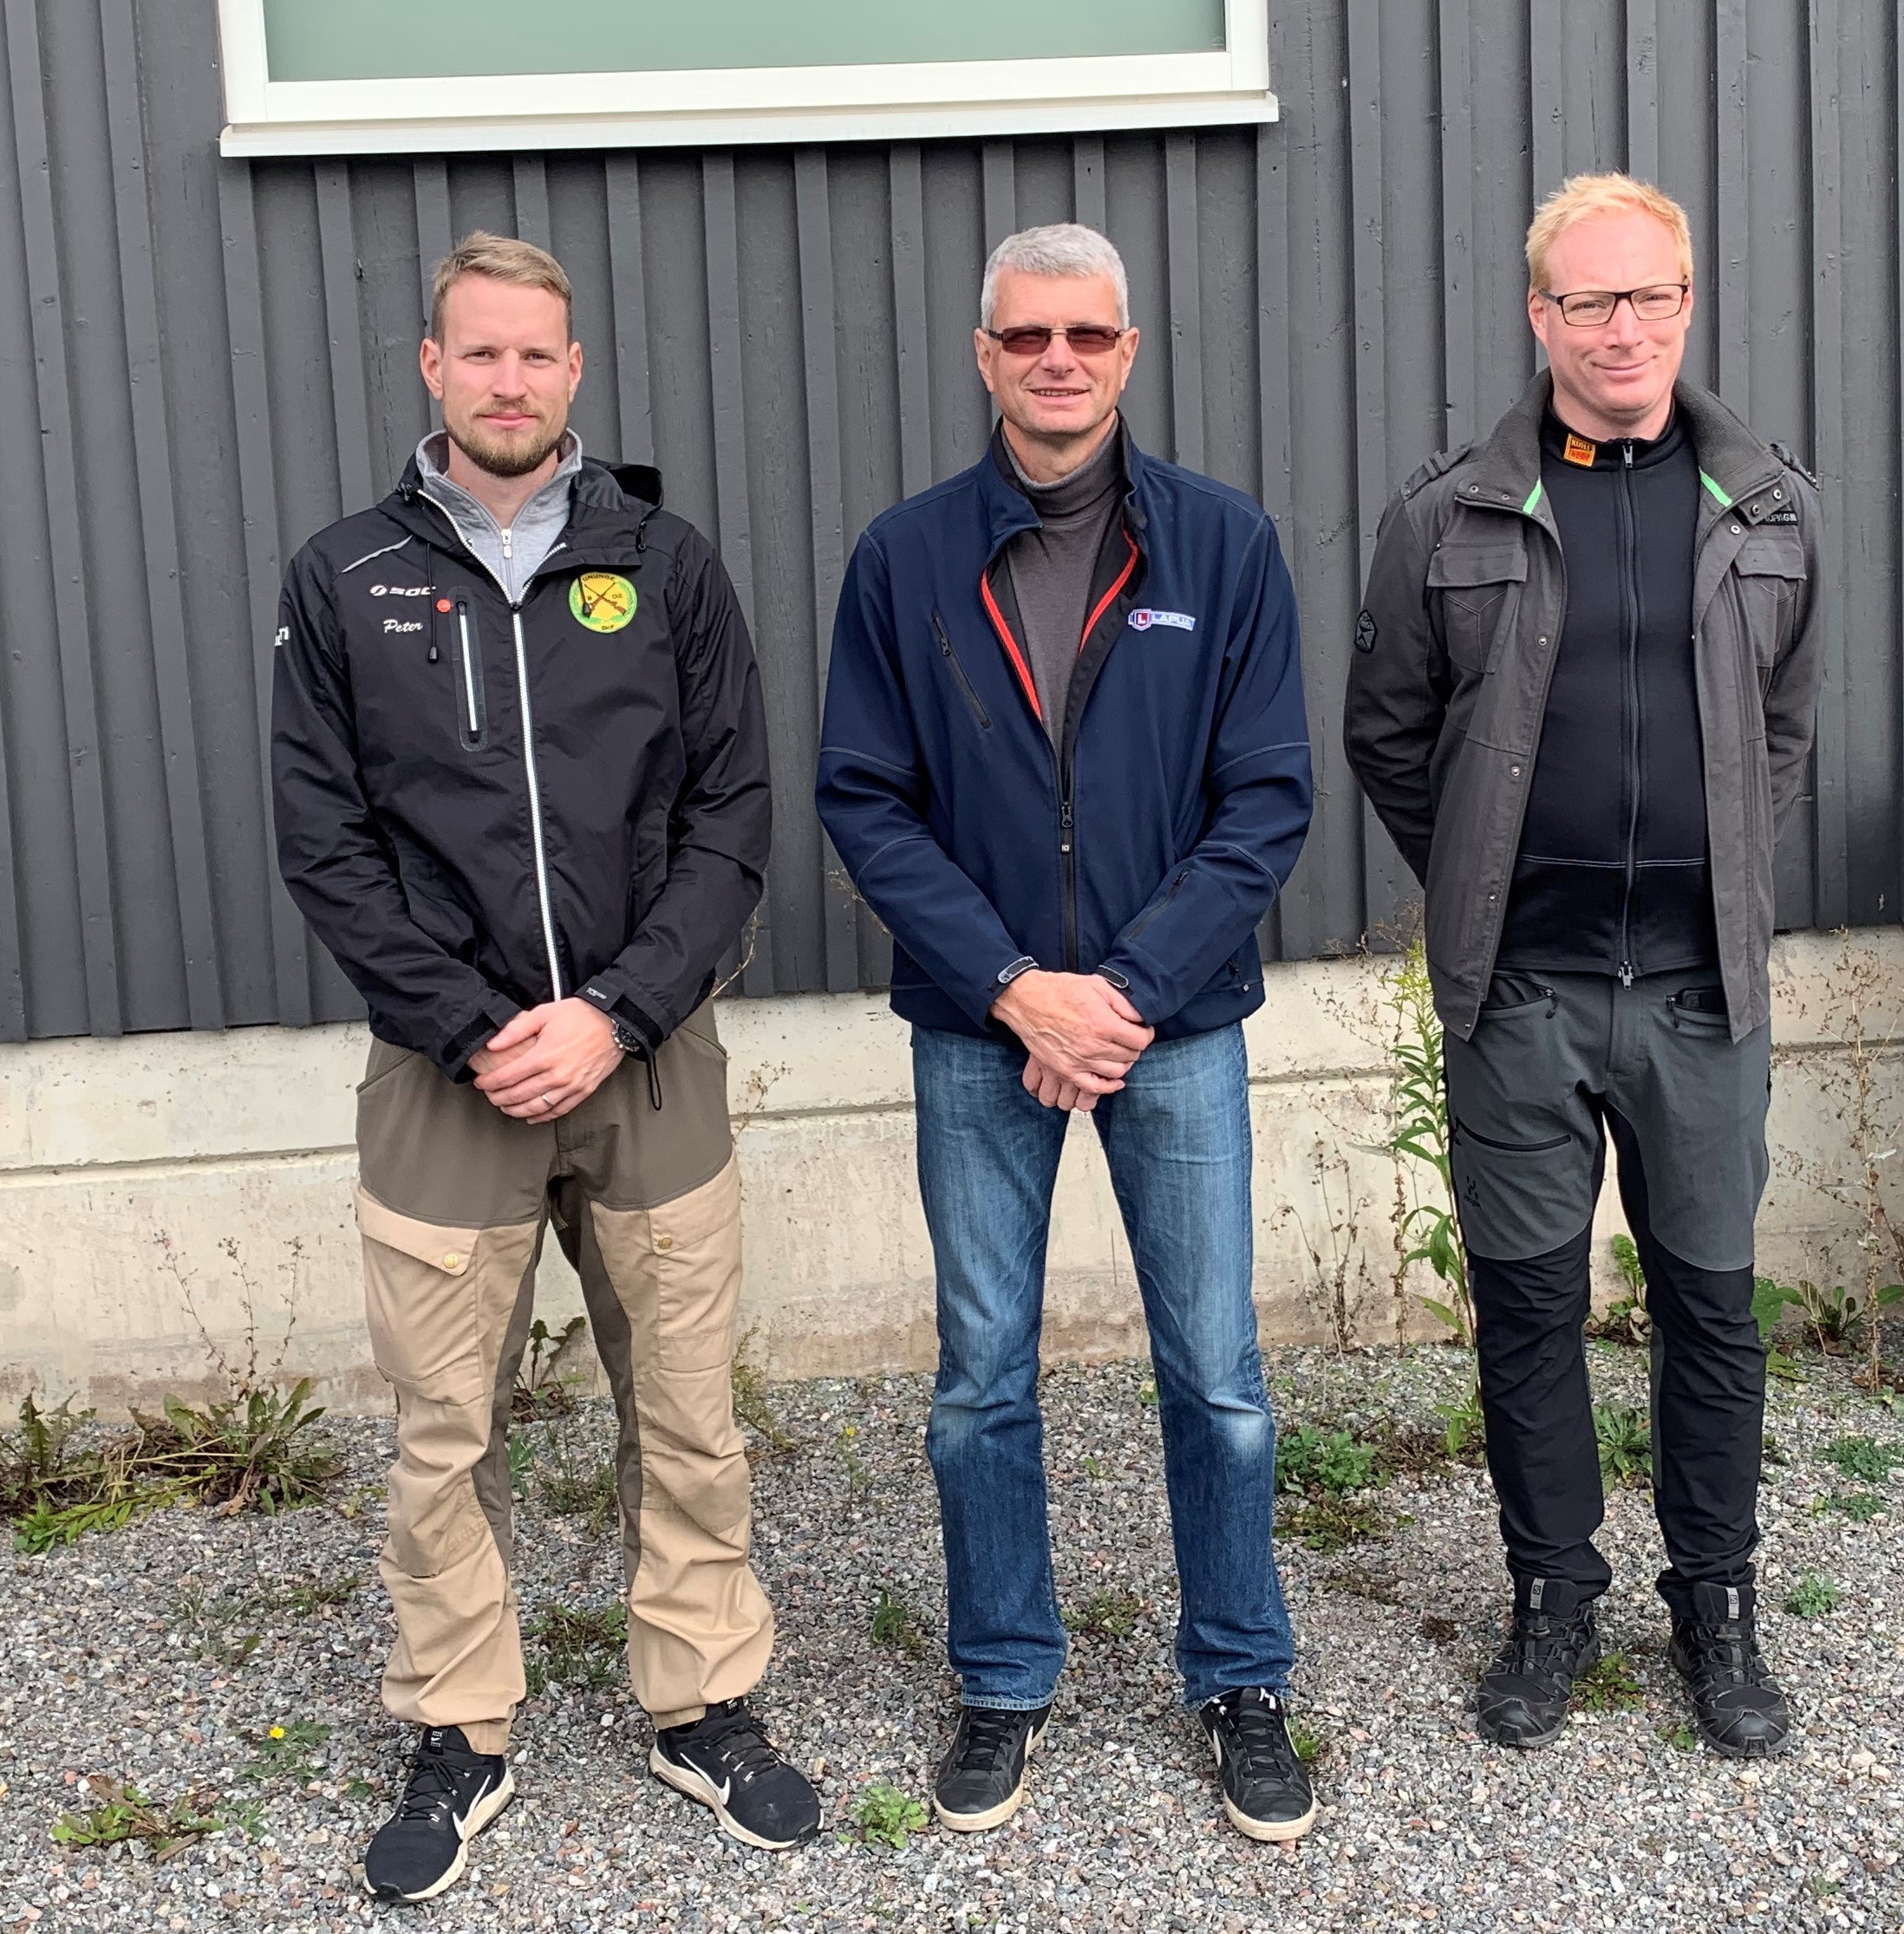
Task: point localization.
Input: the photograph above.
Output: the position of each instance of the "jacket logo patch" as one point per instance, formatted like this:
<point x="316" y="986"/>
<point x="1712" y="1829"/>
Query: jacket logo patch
<point x="602" y="600"/>
<point x="1365" y="633"/>
<point x="1142" y="620"/>
<point x="1786" y="516"/>
<point x="402" y="590"/>
<point x="398" y="624"/>
<point x="1577" y="450"/>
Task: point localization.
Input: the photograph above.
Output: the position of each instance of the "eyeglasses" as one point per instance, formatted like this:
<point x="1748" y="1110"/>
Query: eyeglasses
<point x="1088" y="339"/>
<point x="1590" y="307"/>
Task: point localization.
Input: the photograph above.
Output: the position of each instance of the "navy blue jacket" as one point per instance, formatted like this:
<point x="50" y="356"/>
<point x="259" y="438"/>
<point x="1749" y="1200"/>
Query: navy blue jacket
<point x="1151" y="841"/>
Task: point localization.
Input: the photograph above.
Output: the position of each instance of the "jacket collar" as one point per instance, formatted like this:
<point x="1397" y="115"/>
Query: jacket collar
<point x="1505" y="472"/>
<point x="610" y="506"/>
<point x="1008" y="511"/>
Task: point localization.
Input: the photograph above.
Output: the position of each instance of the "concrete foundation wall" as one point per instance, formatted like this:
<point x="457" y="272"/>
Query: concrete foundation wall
<point x="154" y="1187"/>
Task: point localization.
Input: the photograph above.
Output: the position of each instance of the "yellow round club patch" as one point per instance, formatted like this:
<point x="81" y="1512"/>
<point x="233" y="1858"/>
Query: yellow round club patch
<point x="602" y="600"/>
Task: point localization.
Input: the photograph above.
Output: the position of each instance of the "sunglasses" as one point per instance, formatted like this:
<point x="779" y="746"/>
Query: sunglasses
<point x="1086" y="338"/>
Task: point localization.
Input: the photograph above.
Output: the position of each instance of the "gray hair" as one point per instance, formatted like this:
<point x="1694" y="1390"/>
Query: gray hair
<point x="1057" y="249"/>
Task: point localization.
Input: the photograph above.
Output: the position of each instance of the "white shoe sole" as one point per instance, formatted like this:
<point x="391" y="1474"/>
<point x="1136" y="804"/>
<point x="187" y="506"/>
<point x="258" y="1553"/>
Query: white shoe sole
<point x="480" y="1814"/>
<point x="685" y="1779"/>
<point x="994" y="1816"/>
<point x="1262" y="1829"/>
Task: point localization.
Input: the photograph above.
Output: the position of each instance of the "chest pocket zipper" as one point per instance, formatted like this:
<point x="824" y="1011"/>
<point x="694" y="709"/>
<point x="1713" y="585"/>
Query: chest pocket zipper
<point x="964" y="683"/>
<point x="465" y="658"/>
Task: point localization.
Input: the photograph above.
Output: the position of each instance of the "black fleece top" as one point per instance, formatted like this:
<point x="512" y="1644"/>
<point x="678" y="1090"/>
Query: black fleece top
<point x="1612" y="874"/>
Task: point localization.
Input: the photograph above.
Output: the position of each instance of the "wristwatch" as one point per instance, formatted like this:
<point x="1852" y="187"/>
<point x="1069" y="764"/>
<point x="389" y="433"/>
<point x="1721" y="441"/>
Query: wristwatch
<point x="625" y="1036"/>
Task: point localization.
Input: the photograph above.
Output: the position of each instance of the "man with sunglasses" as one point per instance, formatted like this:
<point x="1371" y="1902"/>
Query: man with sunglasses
<point x="1581" y="701"/>
<point x="1065" y="761"/>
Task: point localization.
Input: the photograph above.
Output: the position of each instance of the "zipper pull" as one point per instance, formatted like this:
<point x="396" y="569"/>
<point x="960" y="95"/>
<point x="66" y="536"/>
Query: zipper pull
<point x="509" y="535"/>
<point x="1626" y="446"/>
<point x="1626" y="973"/>
<point x="1064" y="823"/>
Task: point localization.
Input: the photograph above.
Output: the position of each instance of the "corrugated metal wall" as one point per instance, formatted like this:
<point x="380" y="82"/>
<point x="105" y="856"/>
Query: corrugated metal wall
<point x="202" y="361"/>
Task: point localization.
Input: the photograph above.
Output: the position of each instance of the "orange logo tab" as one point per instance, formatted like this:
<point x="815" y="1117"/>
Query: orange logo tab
<point x="1580" y="451"/>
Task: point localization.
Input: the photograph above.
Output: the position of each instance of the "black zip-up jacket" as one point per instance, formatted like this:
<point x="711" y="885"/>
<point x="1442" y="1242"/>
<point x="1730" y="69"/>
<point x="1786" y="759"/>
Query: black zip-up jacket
<point x="481" y="807"/>
<point x="1612" y="874"/>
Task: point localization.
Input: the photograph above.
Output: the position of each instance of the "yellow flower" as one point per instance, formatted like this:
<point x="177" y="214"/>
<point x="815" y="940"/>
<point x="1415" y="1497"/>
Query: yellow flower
<point x="278" y="1732"/>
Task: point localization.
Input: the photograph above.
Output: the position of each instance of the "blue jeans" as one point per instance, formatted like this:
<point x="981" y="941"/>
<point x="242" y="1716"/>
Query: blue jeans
<point x="1177" y="1138"/>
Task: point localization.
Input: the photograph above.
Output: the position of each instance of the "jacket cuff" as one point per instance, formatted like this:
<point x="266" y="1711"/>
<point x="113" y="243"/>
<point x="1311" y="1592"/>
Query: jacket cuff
<point x="606" y="997"/>
<point x="453" y="1059"/>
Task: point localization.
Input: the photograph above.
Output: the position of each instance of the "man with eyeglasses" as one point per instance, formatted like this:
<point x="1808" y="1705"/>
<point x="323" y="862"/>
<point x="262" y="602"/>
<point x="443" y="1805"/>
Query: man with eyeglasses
<point x="1065" y="761"/>
<point x="1581" y="701"/>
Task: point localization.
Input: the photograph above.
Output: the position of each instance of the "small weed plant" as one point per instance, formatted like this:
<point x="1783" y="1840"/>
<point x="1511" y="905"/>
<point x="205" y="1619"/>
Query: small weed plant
<point x="887" y="1817"/>
<point x="896" y="1625"/>
<point x="1626" y="1319"/>
<point x="1860" y="1507"/>
<point x="294" y="1751"/>
<point x="121" y="1813"/>
<point x="858" y="1477"/>
<point x="1680" y="1737"/>
<point x="1308" y="1458"/>
<point x="576" y="1484"/>
<point x="1609" y="1685"/>
<point x="1108" y="1614"/>
<point x="1310" y="1746"/>
<point x="543" y="1387"/>
<point x="578" y="1645"/>
<point x="1625" y="1442"/>
<point x="1864" y="1458"/>
<point x="751" y="1403"/>
<point x="1813" y="1598"/>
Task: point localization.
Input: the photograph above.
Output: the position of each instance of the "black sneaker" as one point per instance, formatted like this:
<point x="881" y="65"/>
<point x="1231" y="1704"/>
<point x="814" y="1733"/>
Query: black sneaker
<point x="1523" y="1698"/>
<point x="981" y="1778"/>
<point x="1265" y="1785"/>
<point x="725" y="1760"/>
<point x="1737" y="1705"/>
<point x="451" y="1795"/>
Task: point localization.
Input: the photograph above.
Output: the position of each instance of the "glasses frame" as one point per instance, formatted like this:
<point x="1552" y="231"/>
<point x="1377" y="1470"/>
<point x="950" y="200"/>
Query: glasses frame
<point x="1619" y="295"/>
<point x="1117" y="336"/>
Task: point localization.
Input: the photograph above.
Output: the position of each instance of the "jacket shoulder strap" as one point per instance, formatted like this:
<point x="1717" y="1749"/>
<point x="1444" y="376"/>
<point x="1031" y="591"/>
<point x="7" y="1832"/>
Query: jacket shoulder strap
<point x="1437" y="466"/>
<point x="1791" y="463"/>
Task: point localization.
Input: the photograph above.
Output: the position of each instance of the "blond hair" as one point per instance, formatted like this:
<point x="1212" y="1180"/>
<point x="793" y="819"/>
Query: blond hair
<point x="1584" y="195"/>
<point x="502" y="258"/>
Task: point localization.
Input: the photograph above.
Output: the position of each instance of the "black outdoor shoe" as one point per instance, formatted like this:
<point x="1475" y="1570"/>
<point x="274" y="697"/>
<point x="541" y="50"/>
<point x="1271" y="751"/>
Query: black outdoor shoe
<point x="451" y="1795"/>
<point x="981" y="1778"/>
<point x="1265" y="1785"/>
<point x="1523" y="1698"/>
<point x="725" y="1760"/>
<point x="1737" y="1705"/>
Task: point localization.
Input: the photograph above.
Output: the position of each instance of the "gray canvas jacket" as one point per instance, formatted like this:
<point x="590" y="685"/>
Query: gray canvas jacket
<point x="1454" y="647"/>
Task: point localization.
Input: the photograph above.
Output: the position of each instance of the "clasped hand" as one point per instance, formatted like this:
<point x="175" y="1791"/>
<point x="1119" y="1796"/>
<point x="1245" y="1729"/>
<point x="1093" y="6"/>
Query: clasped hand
<point x="548" y="1060"/>
<point x="1082" y="1035"/>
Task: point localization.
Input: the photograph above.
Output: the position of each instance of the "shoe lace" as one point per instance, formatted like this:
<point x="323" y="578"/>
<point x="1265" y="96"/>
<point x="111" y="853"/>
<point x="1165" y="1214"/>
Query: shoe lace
<point x="1729" y="1653"/>
<point x="1263" y="1738"/>
<point x="988" y="1735"/>
<point x="431" y="1787"/>
<point x="1538" y="1646"/>
<point x="738" y="1742"/>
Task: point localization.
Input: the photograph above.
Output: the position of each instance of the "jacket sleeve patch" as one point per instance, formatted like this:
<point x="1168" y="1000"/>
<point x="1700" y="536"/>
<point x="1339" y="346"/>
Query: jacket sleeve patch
<point x="1365" y="633"/>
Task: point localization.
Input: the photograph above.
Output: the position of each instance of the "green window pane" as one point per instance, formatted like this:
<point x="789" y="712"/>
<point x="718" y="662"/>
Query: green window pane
<point x="396" y="39"/>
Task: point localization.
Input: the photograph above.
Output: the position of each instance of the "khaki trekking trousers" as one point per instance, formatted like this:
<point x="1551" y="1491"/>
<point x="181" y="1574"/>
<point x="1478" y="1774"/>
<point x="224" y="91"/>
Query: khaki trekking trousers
<point x="453" y="1199"/>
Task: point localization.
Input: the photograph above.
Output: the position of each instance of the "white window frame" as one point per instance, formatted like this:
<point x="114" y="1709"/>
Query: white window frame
<point x="722" y="107"/>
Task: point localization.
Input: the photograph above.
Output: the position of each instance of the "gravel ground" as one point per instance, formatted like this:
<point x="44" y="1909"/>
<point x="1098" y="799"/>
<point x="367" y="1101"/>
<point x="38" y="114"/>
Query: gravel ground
<point x="126" y="1656"/>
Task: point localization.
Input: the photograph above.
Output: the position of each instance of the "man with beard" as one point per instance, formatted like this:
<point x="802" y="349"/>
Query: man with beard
<point x="520" y="767"/>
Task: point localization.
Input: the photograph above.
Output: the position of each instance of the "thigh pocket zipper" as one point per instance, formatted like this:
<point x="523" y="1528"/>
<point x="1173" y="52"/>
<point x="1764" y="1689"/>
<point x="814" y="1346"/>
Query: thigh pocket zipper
<point x="1513" y="1147"/>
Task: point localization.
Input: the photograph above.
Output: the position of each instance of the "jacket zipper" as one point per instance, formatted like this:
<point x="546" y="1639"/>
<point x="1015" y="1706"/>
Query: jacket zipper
<point x="469" y="671"/>
<point x="1629" y="600"/>
<point x="958" y="673"/>
<point x="535" y="801"/>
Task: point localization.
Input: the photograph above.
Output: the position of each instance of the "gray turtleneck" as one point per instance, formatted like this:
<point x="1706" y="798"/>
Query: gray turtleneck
<point x="511" y="556"/>
<point x="1052" y="567"/>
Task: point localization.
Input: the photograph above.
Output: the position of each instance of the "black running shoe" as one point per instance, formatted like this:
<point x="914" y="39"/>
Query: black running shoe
<point x="451" y="1795"/>
<point x="1265" y="1785"/>
<point x="1737" y="1705"/>
<point x="725" y="1760"/>
<point x="1523" y="1698"/>
<point x="981" y="1778"/>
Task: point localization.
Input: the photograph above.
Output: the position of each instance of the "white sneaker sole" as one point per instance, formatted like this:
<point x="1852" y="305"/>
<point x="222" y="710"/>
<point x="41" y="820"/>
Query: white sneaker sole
<point x="685" y="1779"/>
<point x="994" y="1816"/>
<point x="480" y="1814"/>
<point x="1262" y="1829"/>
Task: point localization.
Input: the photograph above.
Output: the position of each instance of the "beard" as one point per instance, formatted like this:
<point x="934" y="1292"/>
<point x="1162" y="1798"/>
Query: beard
<point x="513" y="455"/>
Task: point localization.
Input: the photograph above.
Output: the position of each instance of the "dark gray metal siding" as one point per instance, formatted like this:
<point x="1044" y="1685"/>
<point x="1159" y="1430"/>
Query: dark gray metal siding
<point x="220" y="357"/>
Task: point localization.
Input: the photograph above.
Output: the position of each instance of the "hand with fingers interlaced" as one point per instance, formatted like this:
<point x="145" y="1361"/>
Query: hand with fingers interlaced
<point x="1081" y="1034"/>
<point x="548" y="1060"/>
